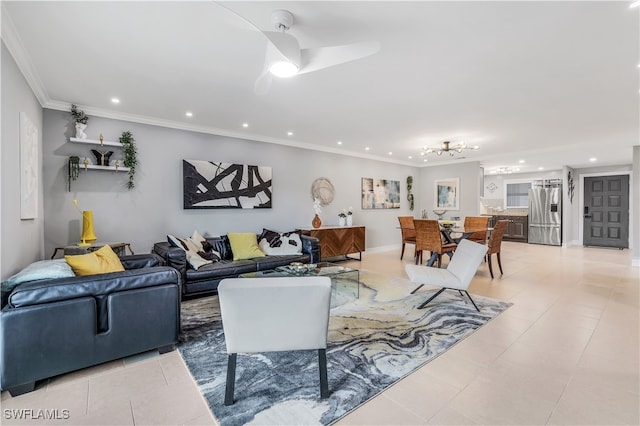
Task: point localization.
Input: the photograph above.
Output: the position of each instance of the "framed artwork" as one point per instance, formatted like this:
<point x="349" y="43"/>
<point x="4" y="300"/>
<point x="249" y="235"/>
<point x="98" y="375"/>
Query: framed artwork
<point x="447" y="194"/>
<point x="29" y="172"/>
<point x="215" y="185"/>
<point x="380" y="194"/>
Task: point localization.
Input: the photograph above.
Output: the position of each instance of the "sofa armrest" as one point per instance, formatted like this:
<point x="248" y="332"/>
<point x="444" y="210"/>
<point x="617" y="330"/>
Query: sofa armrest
<point x="48" y="291"/>
<point x="311" y="246"/>
<point x="137" y="261"/>
<point x="173" y="256"/>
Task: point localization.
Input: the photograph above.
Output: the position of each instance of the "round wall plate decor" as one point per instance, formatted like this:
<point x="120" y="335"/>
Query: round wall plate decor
<point x="323" y="190"/>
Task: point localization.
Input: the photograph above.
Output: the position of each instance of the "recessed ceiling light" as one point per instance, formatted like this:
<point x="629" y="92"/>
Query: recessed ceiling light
<point x="289" y="133"/>
<point x="189" y="114"/>
<point x="339" y="142"/>
<point x="390" y="153"/>
<point x="115" y="100"/>
<point x="366" y="148"/>
<point x="410" y="157"/>
<point x="593" y="159"/>
<point x="635" y="4"/>
<point x="540" y="168"/>
<point x="425" y="160"/>
<point x="245" y="125"/>
<point x="521" y="161"/>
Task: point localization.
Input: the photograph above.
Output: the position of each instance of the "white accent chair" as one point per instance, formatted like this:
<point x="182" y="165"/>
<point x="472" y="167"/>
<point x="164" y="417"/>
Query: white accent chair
<point x="275" y="314"/>
<point x="457" y="276"/>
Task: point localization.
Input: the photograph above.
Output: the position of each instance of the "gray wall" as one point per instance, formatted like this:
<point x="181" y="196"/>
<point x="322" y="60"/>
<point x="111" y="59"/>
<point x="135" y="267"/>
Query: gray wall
<point x="635" y="205"/>
<point x="468" y="173"/>
<point x="20" y="240"/>
<point x="154" y="208"/>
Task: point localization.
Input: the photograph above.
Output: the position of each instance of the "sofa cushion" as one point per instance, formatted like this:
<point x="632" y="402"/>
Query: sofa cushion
<point x="41" y="270"/>
<point x="101" y="261"/>
<point x="244" y="245"/>
<point x="224" y="268"/>
<point x="197" y="254"/>
<point x="279" y="243"/>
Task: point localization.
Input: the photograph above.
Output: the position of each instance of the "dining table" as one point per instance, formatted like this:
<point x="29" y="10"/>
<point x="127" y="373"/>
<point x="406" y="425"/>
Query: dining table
<point x="455" y="234"/>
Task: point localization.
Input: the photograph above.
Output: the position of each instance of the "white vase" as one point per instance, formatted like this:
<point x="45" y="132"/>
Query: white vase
<point x="349" y="220"/>
<point x="341" y="221"/>
<point x="80" y="134"/>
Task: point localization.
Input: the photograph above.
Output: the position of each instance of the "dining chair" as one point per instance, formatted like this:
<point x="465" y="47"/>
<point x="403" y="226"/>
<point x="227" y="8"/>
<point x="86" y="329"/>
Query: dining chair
<point x="408" y="232"/>
<point x="429" y="237"/>
<point x="275" y="314"/>
<point x="472" y="222"/>
<point x="495" y="242"/>
<point x="457" y="275"/>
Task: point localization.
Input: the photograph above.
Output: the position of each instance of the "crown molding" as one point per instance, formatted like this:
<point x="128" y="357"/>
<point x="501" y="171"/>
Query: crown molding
<point x="134" y="118"/>
<point x="20" y="55"/>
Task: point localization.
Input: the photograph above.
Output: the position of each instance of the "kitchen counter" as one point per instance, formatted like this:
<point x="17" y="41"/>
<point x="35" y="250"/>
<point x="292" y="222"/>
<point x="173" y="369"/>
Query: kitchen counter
<point x="505" y="214"/>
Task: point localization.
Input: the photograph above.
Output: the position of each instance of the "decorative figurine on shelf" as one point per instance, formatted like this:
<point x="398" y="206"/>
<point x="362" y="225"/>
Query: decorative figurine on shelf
<point x="102" y="157"/>
<point x="86" y="163"/>
<point x="101" y="139"/>
<point x="117" y="164"/>
<point x="81" y="121"/>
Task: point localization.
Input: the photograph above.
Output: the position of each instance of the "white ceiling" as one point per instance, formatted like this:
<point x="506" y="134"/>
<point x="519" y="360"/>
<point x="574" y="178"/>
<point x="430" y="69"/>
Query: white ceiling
<point x="552" y="83"/>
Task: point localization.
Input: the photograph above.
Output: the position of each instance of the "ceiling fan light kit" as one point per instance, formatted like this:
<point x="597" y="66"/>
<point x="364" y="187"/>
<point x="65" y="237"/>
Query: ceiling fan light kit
<point x="284" y="57"/>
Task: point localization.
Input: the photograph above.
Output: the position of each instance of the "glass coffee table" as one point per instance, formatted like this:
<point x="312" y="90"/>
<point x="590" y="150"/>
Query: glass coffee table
<point x="345" y="282"/>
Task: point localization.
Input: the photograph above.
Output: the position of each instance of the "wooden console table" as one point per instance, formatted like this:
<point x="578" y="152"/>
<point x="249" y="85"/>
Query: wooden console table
<point x="338" y="240"/>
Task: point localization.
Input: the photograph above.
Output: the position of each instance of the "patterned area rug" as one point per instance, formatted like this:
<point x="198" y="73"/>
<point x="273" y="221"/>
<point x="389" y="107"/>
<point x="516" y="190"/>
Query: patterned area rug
<point x="373" y="342"/>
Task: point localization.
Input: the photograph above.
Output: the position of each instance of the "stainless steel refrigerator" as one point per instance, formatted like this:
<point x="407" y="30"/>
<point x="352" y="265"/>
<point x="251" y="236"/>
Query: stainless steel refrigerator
<point x="545" y="216"/>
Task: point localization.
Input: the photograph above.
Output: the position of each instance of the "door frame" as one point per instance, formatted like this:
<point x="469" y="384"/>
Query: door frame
<point x="581" y="203"/>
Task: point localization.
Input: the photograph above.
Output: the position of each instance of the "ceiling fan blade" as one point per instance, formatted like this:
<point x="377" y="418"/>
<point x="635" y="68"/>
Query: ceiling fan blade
<point x="263" y="82"/>
<point x="323" y="57"/>
<point x="285" y="44"/>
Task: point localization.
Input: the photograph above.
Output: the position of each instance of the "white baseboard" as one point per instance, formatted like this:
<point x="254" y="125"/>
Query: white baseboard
<point x="635" y="262"/>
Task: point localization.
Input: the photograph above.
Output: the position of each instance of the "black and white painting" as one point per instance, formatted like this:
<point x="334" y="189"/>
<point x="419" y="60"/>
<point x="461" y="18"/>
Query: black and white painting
<point x="215" y="185"/>
<point x="380" y="194"/>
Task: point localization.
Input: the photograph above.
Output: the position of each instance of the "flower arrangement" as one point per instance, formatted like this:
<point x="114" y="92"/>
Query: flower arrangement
<point x="78" y="115"/>
<point x="316" y="206"/>
<point x="350" y="211"/>
<point x="343" y="213"/>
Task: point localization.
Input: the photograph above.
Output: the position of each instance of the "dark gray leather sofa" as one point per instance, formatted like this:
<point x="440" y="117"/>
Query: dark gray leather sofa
<point x="51" y="327"/>
<point x="205" y="280"/>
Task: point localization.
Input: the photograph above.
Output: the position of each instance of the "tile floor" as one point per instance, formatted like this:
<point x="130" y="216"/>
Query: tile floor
<point x="566" y="352"/>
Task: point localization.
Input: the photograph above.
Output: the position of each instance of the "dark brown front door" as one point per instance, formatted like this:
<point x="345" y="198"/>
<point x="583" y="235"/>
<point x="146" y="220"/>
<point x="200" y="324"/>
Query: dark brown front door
<point x="606" y="211"/>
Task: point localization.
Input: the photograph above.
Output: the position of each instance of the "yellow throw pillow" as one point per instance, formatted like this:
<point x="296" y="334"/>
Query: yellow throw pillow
<point x="100" y="261"/>
<point x="244" y="245"/>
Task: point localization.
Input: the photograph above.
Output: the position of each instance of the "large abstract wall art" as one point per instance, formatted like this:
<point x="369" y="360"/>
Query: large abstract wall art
<point x="380" y="194"/>
<point x="214" y="185"/>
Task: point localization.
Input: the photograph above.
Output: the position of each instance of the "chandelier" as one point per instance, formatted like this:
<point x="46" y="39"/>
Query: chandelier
<point x="504" y="170"/>
<point x="447" y="147"/>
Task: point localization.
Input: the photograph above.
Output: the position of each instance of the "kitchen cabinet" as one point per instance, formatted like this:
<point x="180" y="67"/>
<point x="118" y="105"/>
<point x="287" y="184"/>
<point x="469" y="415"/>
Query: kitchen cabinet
<point x="518" y="228"/>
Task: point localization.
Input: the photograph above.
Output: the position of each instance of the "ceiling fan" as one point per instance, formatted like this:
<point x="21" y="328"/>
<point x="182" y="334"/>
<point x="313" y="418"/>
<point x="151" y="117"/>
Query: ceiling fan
<point x="284" y="57"/>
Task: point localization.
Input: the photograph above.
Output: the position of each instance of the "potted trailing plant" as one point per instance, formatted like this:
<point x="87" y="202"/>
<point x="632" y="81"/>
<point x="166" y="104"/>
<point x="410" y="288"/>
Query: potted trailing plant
<point x="74" y="169"/>
<point x="350" y="216"/>
<point x="342" y="217"/>
<point x="130" y="156"/>
<point x="81" y="121"/>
